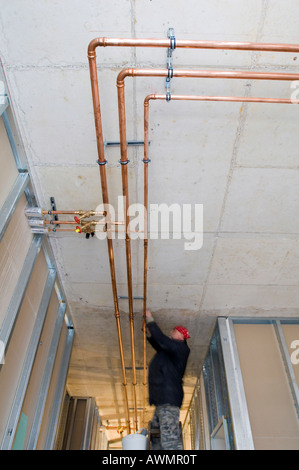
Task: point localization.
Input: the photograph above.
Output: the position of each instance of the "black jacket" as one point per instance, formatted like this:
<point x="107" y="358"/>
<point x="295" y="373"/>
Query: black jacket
<point x="167" y="368"/>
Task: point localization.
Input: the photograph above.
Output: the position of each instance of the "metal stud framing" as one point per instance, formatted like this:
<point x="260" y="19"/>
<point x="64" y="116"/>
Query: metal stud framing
<point x="10" y="204"/>
<point x="22" y="186"/>
<point x="40" y="405"/>
<point x="28" y="363"/>
<point x="237" y="398"/>
<point x="60" y="389"/>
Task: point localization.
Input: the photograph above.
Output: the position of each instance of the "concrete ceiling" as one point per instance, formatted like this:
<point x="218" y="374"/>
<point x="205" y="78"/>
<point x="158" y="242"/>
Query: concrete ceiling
<point x="239" y="161"/>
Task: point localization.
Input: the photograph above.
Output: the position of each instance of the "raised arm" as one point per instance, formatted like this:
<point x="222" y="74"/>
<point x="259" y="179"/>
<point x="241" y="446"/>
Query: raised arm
<point x="155" y="336"/>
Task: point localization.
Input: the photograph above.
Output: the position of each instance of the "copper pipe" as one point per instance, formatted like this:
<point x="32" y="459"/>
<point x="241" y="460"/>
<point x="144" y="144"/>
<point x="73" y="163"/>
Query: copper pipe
<point x="61" y="230"/>
<point x="74" y="230"/>
<point x="65" y="230"/>
<point x="102" y="168"/>
<point x="190" y="44"/>
<point x="72" y="212"/>
<point x="73" y="222"/>
<point x="132" y="72"/>
<point x="104" y="42"/>
<point x="145" y="247"/>
<point x="239" y="99"/>
<point x="124" y="173"/>
<point x="146" y="159"/>
<point x="65" y="222"/>
<point x="123" y="144"/>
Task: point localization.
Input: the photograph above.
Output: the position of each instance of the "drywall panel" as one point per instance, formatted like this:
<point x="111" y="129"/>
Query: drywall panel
<point x="272" y="414"/>
<point x="14" y="359"/>
<point x="20" y="339"/>
<point x="13" y="250"/>
<point x="8" y="279"/>
<point x="9" y="172"/>
<point x="291" y="335"/>
<point x="18" y="235"/>
<point x="36" y="377"/>
<point x="52" y="388"/>
<point x="37" y="282"/>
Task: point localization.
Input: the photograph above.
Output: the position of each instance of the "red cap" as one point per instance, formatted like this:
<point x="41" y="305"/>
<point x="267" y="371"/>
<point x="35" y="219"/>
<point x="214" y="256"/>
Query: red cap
<point x="183" y="330"/>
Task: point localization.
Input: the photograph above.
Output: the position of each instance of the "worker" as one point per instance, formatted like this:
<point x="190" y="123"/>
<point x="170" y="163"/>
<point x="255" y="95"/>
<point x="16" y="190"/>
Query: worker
<point x="165" y="381"/>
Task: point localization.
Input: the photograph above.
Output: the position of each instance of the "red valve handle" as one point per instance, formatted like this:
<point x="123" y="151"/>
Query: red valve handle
<point x="77" y="220"/>
<point x="78" y="229"/>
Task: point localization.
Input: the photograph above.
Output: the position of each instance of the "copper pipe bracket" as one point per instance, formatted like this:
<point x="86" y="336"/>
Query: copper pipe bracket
<point x="132" y="143"/>
<point x="122" y="162"/>
<point x="172" y="38"/>
<point x="102" y="163"/>
<point x="172" y="46"/>
<point x="53" y="205"/>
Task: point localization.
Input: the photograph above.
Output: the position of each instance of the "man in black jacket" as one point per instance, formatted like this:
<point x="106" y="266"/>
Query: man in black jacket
<point x="165" y="380"/>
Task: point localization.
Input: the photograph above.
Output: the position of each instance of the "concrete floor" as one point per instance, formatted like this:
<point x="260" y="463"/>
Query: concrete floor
<point x="240" y="161"/>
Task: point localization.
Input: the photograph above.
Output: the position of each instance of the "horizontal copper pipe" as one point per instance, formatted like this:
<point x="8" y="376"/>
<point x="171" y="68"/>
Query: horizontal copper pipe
<point x="70" y="222"/>
<point x="71" y="212"/>
<point x="238" y="99"/>
<point x="74" y="230"/>
<point x="59" y="222"/>
<point x="227" y="74"/>
<point x="61" y="230"/>
<point x="190" y="44"/>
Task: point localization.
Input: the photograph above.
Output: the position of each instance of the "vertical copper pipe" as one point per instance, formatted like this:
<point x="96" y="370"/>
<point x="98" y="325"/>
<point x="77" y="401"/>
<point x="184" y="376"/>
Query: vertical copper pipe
<point x="101" y="161"/>
<point x="124" y="172"/>
<point x="145" y="248"/>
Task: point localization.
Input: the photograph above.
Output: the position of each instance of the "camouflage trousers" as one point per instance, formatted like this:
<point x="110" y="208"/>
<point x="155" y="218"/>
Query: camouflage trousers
<point x="167" y="418"/>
